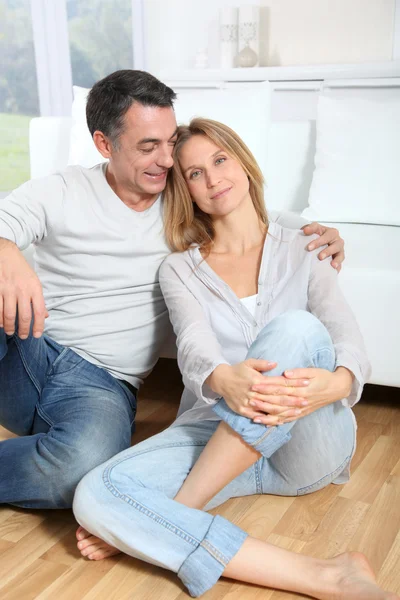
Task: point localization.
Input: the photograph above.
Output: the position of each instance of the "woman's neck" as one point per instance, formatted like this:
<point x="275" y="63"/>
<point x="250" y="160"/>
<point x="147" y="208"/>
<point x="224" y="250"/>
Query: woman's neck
<point x="238" y="232"/>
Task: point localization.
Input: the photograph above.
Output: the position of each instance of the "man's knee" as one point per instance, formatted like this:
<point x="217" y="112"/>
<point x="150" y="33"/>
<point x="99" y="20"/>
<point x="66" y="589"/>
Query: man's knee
<point x="65" y="476"/>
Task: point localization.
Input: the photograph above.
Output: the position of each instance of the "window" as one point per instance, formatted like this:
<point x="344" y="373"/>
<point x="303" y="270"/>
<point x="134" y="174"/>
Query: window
<point x="41" y="42"/>
<point x="100" y="37"/>
<point x="18" y="91"/>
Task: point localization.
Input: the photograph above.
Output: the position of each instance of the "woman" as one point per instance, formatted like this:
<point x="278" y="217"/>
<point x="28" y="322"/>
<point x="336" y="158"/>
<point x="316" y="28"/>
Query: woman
<point x="245" y="300"/>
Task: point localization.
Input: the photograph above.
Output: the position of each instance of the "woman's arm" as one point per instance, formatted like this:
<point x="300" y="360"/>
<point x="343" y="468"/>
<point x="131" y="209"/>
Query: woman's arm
<point x="327" y="302"/>
<point x="199" y="351"/>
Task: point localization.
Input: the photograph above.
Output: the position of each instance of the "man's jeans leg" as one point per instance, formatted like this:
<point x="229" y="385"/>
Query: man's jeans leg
<point x="72" y="416"/>
<point x="295" y="339"/>
<point x="24" y="365"/>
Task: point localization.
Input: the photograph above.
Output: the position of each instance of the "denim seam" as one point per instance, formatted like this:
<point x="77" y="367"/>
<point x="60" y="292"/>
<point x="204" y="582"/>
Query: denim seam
<point x="59" y="357"/>
<point x="44" y="416"/>
<point x="148" y="512"/>
<point x="262" y="438"/>
<point x="223" y="560"/>
<point x="258" y="469"/>
<point x="27" y="367"/>
<point x="140" y="507"/>
<point x="333" y="473"/>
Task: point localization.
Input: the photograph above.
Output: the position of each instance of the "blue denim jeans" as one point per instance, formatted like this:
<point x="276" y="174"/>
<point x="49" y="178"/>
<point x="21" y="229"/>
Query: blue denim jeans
<point x="70" y="415"/>
<point x="128" y="500"/>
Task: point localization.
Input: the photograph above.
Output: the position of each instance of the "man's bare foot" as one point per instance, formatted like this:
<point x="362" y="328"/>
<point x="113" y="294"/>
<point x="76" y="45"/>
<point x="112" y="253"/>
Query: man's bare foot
<point x="92" y="547"/>
<point x="353" y="579"/>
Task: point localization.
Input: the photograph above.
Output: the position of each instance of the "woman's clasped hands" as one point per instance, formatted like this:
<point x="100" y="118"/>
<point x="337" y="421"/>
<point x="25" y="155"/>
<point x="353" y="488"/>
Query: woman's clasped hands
<point x="274" y="400"/>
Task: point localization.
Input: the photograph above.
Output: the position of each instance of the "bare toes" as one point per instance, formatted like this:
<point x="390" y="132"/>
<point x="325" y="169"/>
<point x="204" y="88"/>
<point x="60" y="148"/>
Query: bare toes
<point x="89" y="541"/>
<point x="82" y="533"/>
<point x="90" y="549"/>
<point x="99" y="555"/>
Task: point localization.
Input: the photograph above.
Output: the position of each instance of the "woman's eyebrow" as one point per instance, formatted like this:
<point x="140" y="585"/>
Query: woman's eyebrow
<point x="212" y="156"/>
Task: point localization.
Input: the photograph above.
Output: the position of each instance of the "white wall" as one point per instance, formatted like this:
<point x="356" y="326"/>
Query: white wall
<point x="292" y="31"/>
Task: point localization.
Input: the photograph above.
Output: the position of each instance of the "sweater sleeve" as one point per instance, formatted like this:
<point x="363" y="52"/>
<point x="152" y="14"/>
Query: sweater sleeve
<point x="327" y="302"/>
<point x="27" y="213"/>
<point x="199" y="351"/>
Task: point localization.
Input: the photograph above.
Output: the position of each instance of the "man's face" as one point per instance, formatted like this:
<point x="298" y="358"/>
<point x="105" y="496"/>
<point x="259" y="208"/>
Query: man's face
<point x="144" y="151"/>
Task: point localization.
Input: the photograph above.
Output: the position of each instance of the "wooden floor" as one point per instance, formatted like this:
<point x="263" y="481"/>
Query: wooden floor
<point x="38" y="556"/>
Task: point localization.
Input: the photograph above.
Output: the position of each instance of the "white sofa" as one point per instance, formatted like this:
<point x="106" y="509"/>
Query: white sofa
<point x="370" y="278"/>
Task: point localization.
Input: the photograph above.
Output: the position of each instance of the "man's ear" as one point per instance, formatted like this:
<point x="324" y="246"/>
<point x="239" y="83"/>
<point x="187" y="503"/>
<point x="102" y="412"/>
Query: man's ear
<point x="103" y="144"/>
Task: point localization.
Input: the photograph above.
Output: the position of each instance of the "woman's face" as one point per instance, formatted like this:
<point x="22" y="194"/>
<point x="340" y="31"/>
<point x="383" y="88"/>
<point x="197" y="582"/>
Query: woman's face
<point x="217" y="183"/>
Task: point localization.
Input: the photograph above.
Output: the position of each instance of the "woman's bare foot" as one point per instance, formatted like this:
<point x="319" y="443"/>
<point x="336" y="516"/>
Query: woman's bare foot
<point x="92" y="547"/>
<point x="353" y="579"/>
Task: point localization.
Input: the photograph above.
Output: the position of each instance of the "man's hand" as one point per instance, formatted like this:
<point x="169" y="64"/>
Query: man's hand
<point x="329" y="236"/>
<point x="20" y="289"/>
<point x="318" y="386"/>
<point x="234" y="384"/>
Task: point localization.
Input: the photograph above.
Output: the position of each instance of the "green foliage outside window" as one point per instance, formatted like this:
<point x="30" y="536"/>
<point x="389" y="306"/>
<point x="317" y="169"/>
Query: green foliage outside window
<point x="100" y="33"/>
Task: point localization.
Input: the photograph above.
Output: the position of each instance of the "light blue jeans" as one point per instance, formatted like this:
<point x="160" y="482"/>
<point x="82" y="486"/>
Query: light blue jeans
<point x="70" y="415"/>
<point x="128" y="500"/>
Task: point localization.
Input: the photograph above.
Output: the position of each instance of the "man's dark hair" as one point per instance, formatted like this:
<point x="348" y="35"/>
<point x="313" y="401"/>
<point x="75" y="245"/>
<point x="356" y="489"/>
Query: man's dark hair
<point x="111" y="97"/>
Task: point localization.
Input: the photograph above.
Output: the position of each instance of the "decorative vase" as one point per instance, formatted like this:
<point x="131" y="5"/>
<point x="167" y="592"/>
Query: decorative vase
<point x="247" y="57"/>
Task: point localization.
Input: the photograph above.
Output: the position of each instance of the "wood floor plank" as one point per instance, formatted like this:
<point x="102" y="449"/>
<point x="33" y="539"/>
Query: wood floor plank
<point x="379" y="528"/>
<point x="370" y="475"/>
<point x="337" y="528"/>
<point x="264" y="514"/>
<point x="305" y="514"/>
<point x="39" y="558"/>
<point x="367" y="434"/>
<point x="388" y="576"/>
<point x="160" y="584"/>
<point x="32" y="581"/>
<point x="65" y="551"/>
<point x="29" y="549"/>
<point x="19" y="524"/>
<point x="5" y="513"/>
<point x="78" y="579"/>
<point x="235" y="508"/>
<point x="120" y="581"/>
<point x="4" y="546"/>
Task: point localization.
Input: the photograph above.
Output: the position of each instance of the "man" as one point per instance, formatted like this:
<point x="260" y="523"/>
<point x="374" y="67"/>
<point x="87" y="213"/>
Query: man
<point x="71" y="394"/>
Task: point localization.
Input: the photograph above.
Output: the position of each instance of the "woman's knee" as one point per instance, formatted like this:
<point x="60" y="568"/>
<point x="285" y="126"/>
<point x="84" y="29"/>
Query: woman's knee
<point x="295" y="338"/>
<point x="86" y="499"/>
<point x="296" y="323"/>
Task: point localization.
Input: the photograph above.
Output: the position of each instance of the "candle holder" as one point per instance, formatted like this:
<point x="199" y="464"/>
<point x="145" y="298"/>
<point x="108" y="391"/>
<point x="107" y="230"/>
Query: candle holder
<point x="228" y="35"/>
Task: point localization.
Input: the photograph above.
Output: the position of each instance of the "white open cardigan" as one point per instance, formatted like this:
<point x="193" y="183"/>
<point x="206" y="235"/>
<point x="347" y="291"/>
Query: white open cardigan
<point x="214" y="327"/>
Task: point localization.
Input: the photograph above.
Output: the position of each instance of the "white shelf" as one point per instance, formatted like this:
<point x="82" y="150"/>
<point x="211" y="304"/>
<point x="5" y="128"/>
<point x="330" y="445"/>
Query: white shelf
<point x="389" y="69"/>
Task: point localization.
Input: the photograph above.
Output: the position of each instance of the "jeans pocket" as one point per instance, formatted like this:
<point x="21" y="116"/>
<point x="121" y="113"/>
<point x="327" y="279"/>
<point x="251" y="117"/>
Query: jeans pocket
<point x="324" y="481"/>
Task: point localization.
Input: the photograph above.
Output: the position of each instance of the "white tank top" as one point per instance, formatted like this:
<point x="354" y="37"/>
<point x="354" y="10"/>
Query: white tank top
<point x="250" y="303"/>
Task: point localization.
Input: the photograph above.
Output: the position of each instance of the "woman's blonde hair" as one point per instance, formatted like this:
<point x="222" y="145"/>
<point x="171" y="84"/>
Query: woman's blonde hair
<point x="185" y="224"/>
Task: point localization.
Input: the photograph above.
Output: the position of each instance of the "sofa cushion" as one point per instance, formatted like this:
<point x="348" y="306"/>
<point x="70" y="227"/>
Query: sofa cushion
<point x="357" y="176"/>
<point x="370" y="280"/>
<point x="82" y="150"/>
